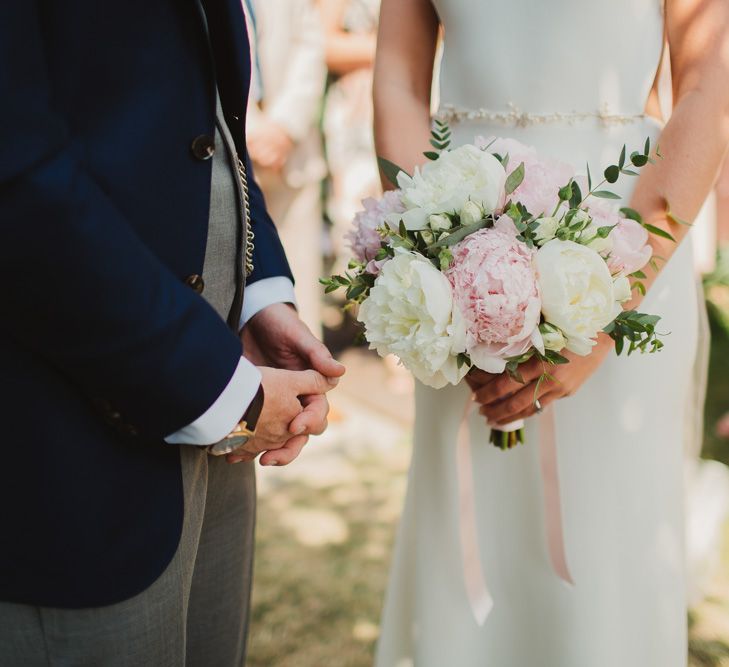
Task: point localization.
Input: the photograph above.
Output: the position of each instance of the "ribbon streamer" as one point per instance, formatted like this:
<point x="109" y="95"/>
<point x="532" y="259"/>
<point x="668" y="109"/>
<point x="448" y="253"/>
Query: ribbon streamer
<point x="473" y="576"/>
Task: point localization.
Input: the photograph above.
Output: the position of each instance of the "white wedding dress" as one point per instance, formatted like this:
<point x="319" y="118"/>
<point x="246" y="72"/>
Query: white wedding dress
<point x="620" y="439"/>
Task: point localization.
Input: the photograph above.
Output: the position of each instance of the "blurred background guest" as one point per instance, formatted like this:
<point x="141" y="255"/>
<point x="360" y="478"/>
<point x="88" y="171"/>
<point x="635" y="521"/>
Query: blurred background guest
<point x="284" y="141"/>
<point x="722" y="207"/>
<point x="351" y="35"/>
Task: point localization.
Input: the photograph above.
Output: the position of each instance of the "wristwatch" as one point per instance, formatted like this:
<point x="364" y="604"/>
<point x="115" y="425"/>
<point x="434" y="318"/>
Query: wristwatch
<point x="244" y="430"/>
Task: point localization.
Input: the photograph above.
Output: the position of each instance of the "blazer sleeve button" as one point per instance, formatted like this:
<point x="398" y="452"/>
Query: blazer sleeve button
<point x="203" y="147"/>
<point x="196" y="283"/>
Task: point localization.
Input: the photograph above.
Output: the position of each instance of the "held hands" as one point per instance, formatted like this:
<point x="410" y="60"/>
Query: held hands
<point x="297" y="372"/>
<point x="294" y="408"/>
<point x="269" y="145"/>
<point x="504" y="400"/>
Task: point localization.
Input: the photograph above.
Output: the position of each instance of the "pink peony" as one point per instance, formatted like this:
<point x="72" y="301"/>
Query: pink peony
<point x="364" y="239"/>
<point x="495" y="288"/>
<point x="629" y="250"/>
<point x="543" y="177"/>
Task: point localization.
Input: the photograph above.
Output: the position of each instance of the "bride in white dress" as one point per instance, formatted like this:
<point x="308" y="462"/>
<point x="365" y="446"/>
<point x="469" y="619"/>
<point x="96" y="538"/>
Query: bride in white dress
<point x="572" y="78"/>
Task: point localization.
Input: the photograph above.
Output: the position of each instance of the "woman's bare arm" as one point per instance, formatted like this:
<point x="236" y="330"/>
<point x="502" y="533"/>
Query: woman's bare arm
<point x="694" y="141"/>
<point x="406" y="47"/>
<point x="345" y="51"/>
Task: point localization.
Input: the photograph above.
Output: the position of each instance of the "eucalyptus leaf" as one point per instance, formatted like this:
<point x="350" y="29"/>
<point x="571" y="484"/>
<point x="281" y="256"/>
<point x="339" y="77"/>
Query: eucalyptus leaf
<point x="612" y="173"/>
<point x="390" y="170"/>
<point x="459" y="234"/>
<point x="605" y="194"/>
<point x="658" y="231"/>
<point x="515" y="179"/>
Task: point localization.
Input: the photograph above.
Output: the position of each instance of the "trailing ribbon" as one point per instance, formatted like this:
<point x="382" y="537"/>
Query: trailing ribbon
<point x="476" y="589"/>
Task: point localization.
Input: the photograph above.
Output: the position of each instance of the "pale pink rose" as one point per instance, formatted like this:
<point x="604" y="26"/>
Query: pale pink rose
<point x="495" y="288"/>
<point x="629" y="250"/>
<point x="543" y="177"/>
<point x="364" y="239"/>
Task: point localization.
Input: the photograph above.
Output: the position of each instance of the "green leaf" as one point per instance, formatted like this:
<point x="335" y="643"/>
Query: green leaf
<point x="457" y="235"/>
<point x="576" y="198"/>
<point x="463" y="360"/>
<point x="631" y="214"/>
<point x="515" y="179"/>
<point x="647" y="147"/>
<point x="638" y="274"/>
<point x="555" y="358"/>
<point x="612" y="173"/>
<point x="390" y="170"/>
<point x="604" y="232"/>
<point x="606" y="194"/>
<point x="638" y="160"/>
<point x="658" y="231"/>
<point x="621" y="162"/>
<point x="432" y="155"/>
<point x="629" y="172"/>
<point x="589" y="176"/>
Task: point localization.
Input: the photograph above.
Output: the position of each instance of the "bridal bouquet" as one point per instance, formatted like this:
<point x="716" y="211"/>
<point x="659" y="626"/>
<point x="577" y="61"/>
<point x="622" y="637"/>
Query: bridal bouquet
<point x="491" y="254"/>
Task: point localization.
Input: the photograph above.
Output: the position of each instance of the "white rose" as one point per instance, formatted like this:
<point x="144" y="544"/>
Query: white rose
<point x="410" y="313"/>
<point x="471" y="212"/>
<point x="578" y="295"/>
<point x="547" y="229"/>
<point x="552" y="337"/>
<point x="446" y="184"/>
<point x="623" y="291"/>
<point x="439" y="222"/>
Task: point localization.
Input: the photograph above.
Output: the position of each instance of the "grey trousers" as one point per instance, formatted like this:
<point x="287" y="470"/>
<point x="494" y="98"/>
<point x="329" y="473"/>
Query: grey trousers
<point x="196" y="613"/>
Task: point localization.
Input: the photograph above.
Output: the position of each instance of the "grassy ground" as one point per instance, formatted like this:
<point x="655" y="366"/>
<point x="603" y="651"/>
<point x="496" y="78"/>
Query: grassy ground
<point x="326" y="528"/>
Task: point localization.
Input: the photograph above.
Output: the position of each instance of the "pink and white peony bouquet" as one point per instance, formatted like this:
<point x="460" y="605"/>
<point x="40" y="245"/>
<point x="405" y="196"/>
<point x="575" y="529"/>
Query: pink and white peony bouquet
<point x="489" y="255"/>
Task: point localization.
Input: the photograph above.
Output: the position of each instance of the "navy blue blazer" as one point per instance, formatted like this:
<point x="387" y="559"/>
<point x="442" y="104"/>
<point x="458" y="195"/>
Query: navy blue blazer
<point x="104" y="349"/>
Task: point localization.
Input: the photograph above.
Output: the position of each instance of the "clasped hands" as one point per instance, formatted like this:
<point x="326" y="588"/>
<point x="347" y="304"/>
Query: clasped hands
<point x="297" y="371"/>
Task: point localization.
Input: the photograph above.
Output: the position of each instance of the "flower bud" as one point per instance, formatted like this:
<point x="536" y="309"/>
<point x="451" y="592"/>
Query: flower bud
<point x="546" y="230"/>
<point x="470" y="213"/>
<point x="439" y="222"/>
<point x="552" y="337"/>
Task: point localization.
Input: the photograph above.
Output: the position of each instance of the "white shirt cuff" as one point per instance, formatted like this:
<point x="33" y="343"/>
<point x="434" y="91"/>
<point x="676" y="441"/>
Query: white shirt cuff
<point x="264" y="293"/>
<point x="223" y="415"/>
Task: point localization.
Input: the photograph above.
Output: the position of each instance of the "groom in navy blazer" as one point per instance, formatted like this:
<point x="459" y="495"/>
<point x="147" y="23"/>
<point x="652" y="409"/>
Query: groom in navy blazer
<point x="114" y="369"/>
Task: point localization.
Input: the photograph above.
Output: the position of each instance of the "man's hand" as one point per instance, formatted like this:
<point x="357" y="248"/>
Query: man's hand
<point x="290" y="414"/>
<point x="269" y="145"/>
<point x="278" y="336"/>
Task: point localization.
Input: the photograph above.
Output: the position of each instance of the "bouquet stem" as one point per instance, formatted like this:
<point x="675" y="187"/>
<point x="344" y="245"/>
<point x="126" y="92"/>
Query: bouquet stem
<point x="508" y="436"/>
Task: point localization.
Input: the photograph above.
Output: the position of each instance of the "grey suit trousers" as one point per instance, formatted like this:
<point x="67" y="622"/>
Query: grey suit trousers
<point x="196" y="613"/>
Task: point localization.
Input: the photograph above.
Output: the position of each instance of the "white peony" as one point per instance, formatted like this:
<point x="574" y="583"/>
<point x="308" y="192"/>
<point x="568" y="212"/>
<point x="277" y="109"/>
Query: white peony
<point x="445" y="185"/>
<point x="578" y="295"/>
<point x="410" y="313"/>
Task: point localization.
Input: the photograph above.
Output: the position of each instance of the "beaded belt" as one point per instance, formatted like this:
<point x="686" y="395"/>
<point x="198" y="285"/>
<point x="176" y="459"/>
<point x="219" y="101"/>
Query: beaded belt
<point x="449" y="113"/>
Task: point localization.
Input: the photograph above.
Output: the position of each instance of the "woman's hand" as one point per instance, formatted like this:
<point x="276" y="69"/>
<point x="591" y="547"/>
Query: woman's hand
<point x="504" y="400"/>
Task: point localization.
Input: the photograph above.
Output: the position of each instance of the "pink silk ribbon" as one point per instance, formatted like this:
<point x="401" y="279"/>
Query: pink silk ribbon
<point x="478" y="594"/>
